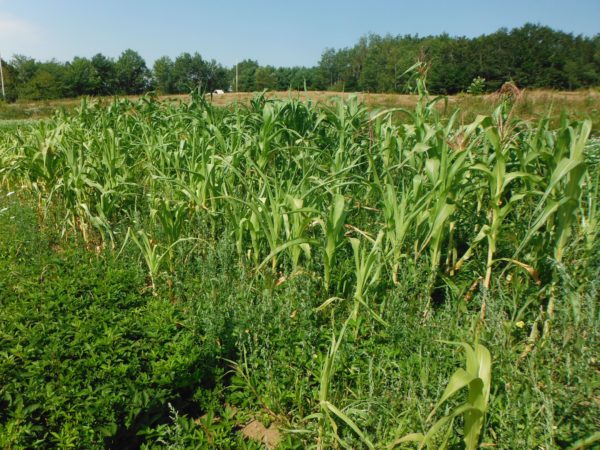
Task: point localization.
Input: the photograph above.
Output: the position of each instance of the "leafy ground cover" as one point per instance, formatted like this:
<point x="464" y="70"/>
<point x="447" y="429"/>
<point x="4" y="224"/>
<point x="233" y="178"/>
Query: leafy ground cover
<point x="87" y="355"/>
<point x="178" y="275"/>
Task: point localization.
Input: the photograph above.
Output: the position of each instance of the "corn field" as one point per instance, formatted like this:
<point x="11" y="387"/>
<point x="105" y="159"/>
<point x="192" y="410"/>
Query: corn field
<point x="293" y="184"/>
<point x="347" y="197"/>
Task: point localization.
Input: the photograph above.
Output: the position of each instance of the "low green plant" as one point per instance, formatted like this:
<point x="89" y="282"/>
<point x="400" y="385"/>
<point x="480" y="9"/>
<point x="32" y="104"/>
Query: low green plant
<point x="385" y="216"/>
<point x="476" y="379"/>
<point x="477" y="86"/>
<point x="332" y="225"/>
<point x="327" y="427"/>
<point x="86" y="359"/>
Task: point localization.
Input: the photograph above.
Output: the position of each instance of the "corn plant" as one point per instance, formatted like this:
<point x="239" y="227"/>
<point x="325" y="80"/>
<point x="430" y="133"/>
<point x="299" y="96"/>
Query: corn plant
<point x="571" y="172"/>
<point x="152" y="253"/>
<point x="296" y="225"/>
<point x="327" y="410"/>
<point x="401" y="208"/>
<point x="497" y="180"/>
<point x="476" y="379"/>
<point x="557" y="206"/>
<point x="332" y="225"/>
<point x="368" y="266"/>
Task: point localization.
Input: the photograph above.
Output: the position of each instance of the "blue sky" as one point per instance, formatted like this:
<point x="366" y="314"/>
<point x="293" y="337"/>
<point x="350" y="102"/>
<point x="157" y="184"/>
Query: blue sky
<point x="281" y="33"/>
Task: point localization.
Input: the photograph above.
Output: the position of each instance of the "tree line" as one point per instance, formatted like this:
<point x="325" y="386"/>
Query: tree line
<point x="532" y="56"/>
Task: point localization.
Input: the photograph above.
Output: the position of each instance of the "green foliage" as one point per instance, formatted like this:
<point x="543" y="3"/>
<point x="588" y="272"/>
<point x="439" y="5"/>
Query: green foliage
<point x="476" y="378"/>
<point x="477" y="86"/>
<point x="162" y="75"/>
<point x="266" y="78"/>
<point x="188" y="73"/>
<point x="87" y="358"/>
<point x="47" y="83"/>
<point x="132" y="75"/>
<point x="10" y="82"/>
<point x="532" y="56"/>
<point x="246" y="76"/>
<point x="318" y="252"/>
<point x="105" y="67"/>
<point x="82" y="78"/>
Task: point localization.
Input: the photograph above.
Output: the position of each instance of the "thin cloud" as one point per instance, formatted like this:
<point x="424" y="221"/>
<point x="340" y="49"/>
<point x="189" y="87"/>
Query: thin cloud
<point x="14" y="30"/>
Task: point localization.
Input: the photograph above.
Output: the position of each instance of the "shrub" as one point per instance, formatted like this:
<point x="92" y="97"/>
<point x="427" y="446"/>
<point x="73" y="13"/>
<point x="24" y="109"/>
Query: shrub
<point x="477" y="86"/>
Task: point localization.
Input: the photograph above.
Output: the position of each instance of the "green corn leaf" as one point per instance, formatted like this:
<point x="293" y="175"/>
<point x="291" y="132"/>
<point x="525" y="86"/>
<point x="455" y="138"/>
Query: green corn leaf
<point x="348" y="422"/>
<point x="473" y="421"/>
<point x="551" y="208"/>
<point x="459" y="380"/>
<point x="437" y="426"/>
<point x="412" y="437"/>
<point x="562" y="170"/>
<point x="284" y="246"/>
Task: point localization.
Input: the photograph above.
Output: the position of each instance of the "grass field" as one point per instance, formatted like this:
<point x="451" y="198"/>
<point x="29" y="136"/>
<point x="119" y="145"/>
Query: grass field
<point x="291" y="273"/>
<point x="533" y="104"/>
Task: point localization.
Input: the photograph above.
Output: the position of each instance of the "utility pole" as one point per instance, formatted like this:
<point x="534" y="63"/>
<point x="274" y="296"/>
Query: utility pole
<point x="236" y="77"/>
<point x="2" y="79"/>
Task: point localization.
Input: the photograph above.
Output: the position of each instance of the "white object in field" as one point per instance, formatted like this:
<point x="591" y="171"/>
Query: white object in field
<point x="218" y="92"/>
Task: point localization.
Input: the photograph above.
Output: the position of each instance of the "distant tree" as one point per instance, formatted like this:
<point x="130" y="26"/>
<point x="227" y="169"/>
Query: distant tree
<point x="46" y="84"/>
<point x="188" y="72"/>
<point x="283" y="76"/>
<point x="10" y="86"/>
<point x="246" y="70"/>
<point x="302" y="77"/>
<point x="132" y="74"/>
<point x="451" y="70"/>
<point x="40" y="87"/>
<point x="265" y="78"/>
<point x="214" y="76"/>
<point x="162" y="75"/>
<point x="492" y="58"/>
<point x="24" y="67"/>
<point x="596" y="52"/>
<point x="380" y="69"/>
<point x="356" y="64"/>
<point x="105" y="68"/>
<point x="533" y="56"/>
<point x="81" y="77"/>
<point x="582" y="63"/>
<point x="371" y="76"/>
<point x="336" y="70"/>
<point x="329" y="69"/>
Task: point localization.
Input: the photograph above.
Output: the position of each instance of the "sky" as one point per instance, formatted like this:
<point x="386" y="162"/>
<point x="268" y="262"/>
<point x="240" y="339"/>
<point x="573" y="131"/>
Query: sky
<point x="275" y="32"/>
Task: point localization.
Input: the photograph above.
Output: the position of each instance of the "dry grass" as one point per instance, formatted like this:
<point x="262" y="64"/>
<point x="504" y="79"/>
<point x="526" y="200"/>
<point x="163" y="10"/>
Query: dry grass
<point x="532" y="104"/>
